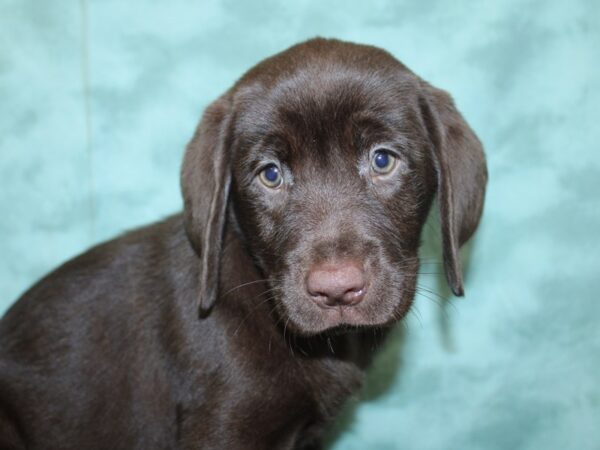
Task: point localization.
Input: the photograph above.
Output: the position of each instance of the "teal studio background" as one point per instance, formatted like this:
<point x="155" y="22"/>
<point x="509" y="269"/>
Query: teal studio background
<point x="98" y="99"/>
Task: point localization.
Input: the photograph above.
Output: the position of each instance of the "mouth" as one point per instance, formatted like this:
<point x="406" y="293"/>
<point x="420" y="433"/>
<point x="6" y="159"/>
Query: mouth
<point x="304" y="316"/>
<point x="345" y="316"/>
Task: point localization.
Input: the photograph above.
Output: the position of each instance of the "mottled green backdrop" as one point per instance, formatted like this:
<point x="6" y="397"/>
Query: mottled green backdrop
<point x="98" y="98"/>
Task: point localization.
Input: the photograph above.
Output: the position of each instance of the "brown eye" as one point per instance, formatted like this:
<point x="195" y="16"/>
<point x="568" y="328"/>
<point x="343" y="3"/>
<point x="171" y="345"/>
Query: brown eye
<point x="383" y="162"/>
<point x="271" y="177"/>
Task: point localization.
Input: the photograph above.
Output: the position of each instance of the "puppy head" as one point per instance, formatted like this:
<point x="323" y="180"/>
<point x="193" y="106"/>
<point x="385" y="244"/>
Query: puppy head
<point x="328" y="157"/>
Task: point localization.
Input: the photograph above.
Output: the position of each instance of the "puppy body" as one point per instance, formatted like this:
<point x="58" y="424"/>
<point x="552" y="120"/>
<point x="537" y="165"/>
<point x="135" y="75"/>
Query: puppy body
<point x="306" y="187"/>
<point x="108" y="352"/>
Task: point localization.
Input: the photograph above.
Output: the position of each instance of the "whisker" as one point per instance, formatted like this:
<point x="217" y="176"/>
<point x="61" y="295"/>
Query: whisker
<point x="416" y="274"/>
<point x="267" y="291"/>
<point x="330" y="345"/>
<point x="431" y="291"/>
<point x="252" y="311"/>
<point x="417" y="314"/>
<point x="245" y="284"/>
<point x="287" y="341"/>
<point x="433" y="299"/>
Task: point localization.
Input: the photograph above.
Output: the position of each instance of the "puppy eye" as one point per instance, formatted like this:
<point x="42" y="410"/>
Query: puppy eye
<point x="271" y="177"/>
<point x="383" y="162"/>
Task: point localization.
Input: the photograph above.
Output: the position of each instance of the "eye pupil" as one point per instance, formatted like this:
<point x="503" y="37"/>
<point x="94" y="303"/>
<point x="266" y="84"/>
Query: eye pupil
<point x="272" y="174"/>
<point x="382" y="160"/>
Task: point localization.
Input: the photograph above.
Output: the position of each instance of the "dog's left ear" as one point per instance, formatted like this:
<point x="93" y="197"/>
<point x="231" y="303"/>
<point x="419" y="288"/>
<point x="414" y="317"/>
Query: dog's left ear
<point x="461" y="176"/>
<point x="205" y="181"/>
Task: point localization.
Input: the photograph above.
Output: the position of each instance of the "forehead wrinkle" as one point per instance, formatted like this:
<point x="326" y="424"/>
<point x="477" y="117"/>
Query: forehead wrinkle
<point x="315" y="127"/>
<point x="317" y="115"/>
<point x="346" y="107"/>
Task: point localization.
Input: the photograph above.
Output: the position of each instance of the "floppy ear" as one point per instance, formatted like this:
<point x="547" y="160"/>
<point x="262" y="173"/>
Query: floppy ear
<point x="461" y="177"/>
<point x="205" y="181"/>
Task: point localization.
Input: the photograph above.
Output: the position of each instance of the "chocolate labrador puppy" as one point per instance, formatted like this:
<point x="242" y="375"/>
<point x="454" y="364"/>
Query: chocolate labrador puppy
<point x="245" y="322"/>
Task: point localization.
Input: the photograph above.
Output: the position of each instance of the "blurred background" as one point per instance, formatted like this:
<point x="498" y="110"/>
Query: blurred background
<point x="99" y="98"/>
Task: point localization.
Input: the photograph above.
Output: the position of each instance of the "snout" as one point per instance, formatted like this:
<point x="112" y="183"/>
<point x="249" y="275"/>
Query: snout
<point x="338" y="283"/>
<point x="340" y="275"/>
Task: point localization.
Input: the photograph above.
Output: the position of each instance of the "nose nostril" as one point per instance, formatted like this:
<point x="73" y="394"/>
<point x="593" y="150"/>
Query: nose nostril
<point x="354" y="295"/>
<point x="355" y="289"/>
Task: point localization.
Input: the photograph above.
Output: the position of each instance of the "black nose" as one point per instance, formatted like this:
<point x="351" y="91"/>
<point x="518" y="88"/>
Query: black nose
<point x="341" y="283"/>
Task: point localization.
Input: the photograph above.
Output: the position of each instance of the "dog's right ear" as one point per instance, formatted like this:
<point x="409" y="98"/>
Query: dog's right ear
<point x="205" y="181"/>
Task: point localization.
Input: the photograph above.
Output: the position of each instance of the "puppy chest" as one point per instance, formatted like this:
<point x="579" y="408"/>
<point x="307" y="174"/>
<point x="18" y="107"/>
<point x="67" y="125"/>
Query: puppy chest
<point x="278" y="409"/>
